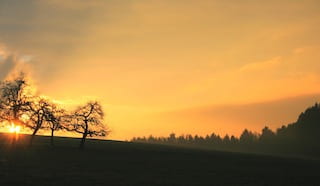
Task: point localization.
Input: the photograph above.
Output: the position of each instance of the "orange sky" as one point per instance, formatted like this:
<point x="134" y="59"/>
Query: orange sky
<point x="162" y="66"/>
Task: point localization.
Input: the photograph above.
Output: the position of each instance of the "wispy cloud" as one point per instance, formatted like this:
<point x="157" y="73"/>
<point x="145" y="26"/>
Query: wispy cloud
<point x="11" y="63"/>
<point x="264" y="65"/>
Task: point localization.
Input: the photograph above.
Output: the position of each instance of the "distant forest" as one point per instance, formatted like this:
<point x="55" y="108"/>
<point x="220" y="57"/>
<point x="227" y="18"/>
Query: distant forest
<point x="299" y="138"/>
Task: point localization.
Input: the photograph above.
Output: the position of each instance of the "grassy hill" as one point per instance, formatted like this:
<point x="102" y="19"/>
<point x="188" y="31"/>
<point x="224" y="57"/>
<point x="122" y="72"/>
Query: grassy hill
<point x="123" y="163"/>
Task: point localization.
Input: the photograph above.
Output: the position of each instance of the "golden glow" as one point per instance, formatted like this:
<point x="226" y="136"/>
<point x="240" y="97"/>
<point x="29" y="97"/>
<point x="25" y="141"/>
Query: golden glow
<point x="14" y="128"/>
<point x="24" y="118"/>
<point x="167" y="66"/>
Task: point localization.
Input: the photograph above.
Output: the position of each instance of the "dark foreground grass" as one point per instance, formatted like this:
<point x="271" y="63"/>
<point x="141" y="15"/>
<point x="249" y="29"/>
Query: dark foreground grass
<point x="121" y="163"/>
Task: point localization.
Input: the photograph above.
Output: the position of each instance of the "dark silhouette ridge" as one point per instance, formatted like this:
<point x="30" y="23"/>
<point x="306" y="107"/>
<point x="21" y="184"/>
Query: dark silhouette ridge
<point x="106" y="162"/>
<point x="301" y="137"/>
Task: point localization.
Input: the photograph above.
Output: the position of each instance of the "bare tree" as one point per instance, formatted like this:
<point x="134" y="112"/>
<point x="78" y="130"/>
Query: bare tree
<point x="15" y="98"/>
<point x="88" y="121"/>
<point x="37" y="112"/>
<point x="54" y="117"/>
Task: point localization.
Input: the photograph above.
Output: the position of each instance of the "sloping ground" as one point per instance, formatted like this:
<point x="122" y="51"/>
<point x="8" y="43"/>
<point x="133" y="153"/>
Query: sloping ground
<point x="121" y="163"/>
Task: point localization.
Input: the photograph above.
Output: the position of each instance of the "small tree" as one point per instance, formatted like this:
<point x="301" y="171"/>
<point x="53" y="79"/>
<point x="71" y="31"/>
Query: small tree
<point x="267" y="135"/>
<point x="88" y="120"/>
<point x="247" y="137"/>
<point x="38" y="110"/>
<point x="226" y="140"/>
<point x="54" y="117"/>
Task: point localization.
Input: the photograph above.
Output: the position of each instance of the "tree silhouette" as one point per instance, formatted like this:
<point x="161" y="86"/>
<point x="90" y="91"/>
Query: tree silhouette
<point x="172" y="138"/>
<point x="54" y="117"/>
<point x="267" y="135"/>
<point x="248" y="137"/>
<point x="226" y="140"/>
<point x="15" y="98"/>
<point x="88" y="120"/>
<point x="38" y="110"/>
<point x="233" y="140"/>
<point x="307" y="126"/>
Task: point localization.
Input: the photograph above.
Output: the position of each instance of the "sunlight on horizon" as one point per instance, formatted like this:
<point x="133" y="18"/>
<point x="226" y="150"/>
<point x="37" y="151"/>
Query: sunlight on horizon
<point x="169" y="66"/>
<point x="14" y="128"/>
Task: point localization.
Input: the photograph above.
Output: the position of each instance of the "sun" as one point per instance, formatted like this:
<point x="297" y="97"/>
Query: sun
<point x="14" y="128"/>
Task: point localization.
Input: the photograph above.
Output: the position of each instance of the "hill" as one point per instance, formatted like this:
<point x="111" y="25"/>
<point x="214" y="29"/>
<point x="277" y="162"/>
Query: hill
<point x="124" y="163"/>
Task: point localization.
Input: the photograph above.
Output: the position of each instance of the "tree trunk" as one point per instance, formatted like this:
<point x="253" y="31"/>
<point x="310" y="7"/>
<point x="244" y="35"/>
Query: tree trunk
<point x="33" y="135"/>
<point x="51" y="140"/>
<point x="83" y="140"/>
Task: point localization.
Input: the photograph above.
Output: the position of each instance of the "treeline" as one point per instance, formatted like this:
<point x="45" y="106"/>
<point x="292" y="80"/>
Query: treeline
<point x="21" y="105"/>
<point x="300" y="137"/>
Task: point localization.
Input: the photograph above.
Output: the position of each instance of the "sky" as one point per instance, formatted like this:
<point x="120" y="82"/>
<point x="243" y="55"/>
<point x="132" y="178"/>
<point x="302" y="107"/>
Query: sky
<point x="162" y="66"/>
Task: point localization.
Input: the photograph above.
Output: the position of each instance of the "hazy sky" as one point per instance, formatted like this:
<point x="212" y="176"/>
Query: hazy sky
<point x="160" y="66"/>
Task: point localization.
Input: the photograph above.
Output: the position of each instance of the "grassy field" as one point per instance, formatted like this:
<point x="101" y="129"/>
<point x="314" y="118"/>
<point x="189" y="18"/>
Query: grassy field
<point x="123" y="163"/>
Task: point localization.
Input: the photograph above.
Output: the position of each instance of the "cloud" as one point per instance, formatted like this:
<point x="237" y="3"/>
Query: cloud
<point x="6" y="66"/>
<point x="11" y="64"/>
<point x="265" y="65"/>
